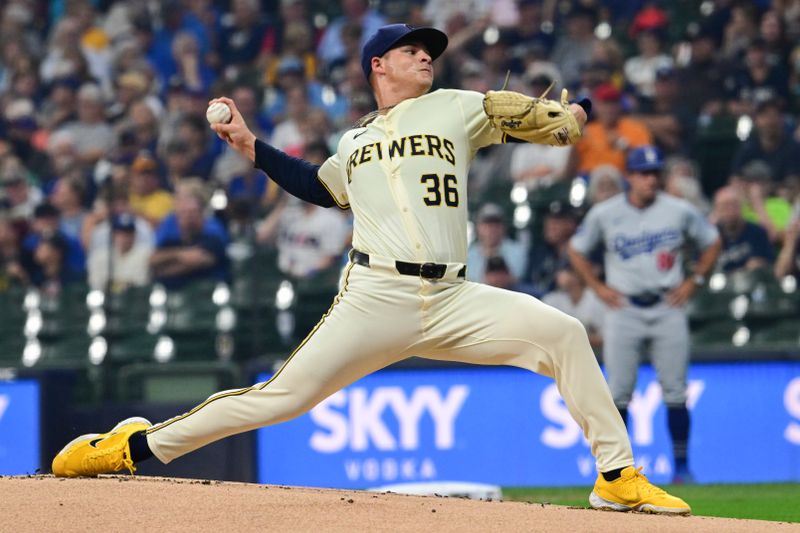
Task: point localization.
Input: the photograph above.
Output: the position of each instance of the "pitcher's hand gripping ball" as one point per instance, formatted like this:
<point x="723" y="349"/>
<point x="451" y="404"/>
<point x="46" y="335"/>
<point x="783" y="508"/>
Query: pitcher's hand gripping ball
<point x="218" y="112"/>
<point x="536" y="120"/>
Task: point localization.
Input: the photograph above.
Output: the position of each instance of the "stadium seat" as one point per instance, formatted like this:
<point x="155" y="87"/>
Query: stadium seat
<point x="714" y="335"/>
<point x="745" y="281"/>
<point x="714" y="147"/>
<point x="780" y="334"/>
<point x="131" y="348"/>
<point x="709" y="306"/>
<point x="769" y="305"/>
<point x="12" y="323"/>
<point x="175" y="382"/>
<point x="67" y="352"/>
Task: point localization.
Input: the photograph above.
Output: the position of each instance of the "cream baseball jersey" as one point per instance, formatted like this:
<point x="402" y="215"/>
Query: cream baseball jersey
<point x="404" y="176"/>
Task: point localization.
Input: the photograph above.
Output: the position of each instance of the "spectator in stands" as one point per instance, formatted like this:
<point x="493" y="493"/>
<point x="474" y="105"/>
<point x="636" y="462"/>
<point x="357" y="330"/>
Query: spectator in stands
<point x="494" y="258"/>
<point x="230" y="162"/>
<point x="605" y="181"/>
<point x="190" y="64"/>
<point x="667" y="114"/>
<point x="574" y="48"/>
<point x="607" y="138"/>
<point x="50" y="269"/>
<point x="640" y="70"/>
<point x="297" y="43"/>
<point x="68" y="197"/>
<point x="63" y="52"/>
<point x="19" y="199"/>
<point x="704" y="75"/>
<point x="46" y="223"/>
<point x="293" y="35"/>
<point x="740" y="30"/>
<point x="528" y="32"/>
<point x="573" y="297"/>
<point x="188" y="246"/>
<point x="548" y="254"/>
<point x="178" y="161"/>
<point x="771" y="142"/>
<point x="93" y="136"/>
<point x="129" y="261"/>
<point x="310" y="239"/>
<point x="193" y="130"/>
<point x="538" y="165"/>
<point x="763" y="205"/>
<point x="21" y="127"/>
<point x="158" y="43"/>
<point x="497" y="273"/>
<point x="357" y="12"/>
<point x="497" y="63"/>
<point x="757" y="80"/>
<point x="241" y="37"/>
<point x="147" y="199"/>
<point x="61" y="105"/>
<point x="788" y="261"/>
<point x="131" y="87"/>
<point x="145" y="124"/>
<point x="11" y="271"/>
<point x="63" y="156"/>
<point x="744" y="245"/>
<point x="773" y="30"/>
<point x="114" y="201"/>
<point x="288" y="135"/>
<point x="682" y="180"/>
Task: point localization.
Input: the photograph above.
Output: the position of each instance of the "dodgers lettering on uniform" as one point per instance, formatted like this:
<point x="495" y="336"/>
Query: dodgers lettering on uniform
<point x="628" y="246"/>
<point x="409" y="146"/>
<point x="791" y="400"/>
<point x="354" y="418"/>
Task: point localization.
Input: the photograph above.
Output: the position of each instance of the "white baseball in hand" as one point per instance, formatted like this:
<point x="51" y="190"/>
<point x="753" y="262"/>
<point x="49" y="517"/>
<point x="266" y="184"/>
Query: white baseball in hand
<point x="218" y="112"/>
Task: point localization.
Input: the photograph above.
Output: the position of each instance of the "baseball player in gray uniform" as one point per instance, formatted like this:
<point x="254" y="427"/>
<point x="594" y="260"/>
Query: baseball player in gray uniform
<point x="643" y="232"/>
<point x="404" y="293"/>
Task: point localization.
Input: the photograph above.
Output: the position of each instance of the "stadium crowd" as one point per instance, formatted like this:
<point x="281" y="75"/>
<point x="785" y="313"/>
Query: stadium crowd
<point x="111" y="176"/>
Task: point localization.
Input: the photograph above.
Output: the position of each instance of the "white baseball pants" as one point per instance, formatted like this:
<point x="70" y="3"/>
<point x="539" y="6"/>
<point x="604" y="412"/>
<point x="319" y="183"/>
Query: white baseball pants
<point x="381" y="317"/>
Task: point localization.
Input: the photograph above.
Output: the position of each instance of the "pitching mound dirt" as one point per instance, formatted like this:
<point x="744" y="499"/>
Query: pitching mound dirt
<point x="116" y="503"/>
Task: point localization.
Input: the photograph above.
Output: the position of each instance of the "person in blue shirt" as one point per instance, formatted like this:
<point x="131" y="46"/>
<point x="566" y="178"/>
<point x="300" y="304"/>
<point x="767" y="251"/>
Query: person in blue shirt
<point x="189" y="246"/>
<point x="46" y="224"/>
<point x="494" y="258"/>
<point x="744" y="245"/>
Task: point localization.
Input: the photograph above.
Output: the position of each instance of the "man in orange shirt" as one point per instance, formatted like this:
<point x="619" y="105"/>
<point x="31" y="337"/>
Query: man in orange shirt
<point x="610" y="135"/>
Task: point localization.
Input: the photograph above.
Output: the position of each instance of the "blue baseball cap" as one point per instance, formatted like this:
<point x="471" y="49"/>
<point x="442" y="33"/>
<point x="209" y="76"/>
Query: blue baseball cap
<point x="644" y="158"/>
<point x="123" y="222"/>
<point x="394" y="35"/>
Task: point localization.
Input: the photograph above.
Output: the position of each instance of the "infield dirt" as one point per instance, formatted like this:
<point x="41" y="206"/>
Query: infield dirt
<point x="123" y="503"/>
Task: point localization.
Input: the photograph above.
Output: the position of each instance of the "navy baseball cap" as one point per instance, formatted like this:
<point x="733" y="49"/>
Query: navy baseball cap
<point x="394" y="35"/>
<point x="644" y="158"/>
<point x="123" y="222"/>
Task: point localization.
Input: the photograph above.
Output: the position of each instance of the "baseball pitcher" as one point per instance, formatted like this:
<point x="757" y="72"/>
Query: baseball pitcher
<point x="403" y="173"/>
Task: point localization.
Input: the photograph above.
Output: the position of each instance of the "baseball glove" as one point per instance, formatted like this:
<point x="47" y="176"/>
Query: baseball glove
<point x="536" y="120"/>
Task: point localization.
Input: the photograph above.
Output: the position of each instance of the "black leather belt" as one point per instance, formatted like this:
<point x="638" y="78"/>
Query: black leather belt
<point x="646" y="299"/>
<point x="422" y="270"/>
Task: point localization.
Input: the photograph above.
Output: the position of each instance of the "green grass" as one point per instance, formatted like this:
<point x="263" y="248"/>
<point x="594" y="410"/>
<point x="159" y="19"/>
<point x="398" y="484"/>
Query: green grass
<point x="780" y="502"/>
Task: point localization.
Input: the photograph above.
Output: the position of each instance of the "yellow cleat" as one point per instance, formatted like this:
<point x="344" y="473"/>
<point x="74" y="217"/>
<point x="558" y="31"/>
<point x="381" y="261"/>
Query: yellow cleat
<point x="633" y="492"/>
<point x="92" y="454"/>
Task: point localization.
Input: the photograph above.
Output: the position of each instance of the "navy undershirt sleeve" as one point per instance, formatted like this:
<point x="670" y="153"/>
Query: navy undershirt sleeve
<point x="294" y="175"/>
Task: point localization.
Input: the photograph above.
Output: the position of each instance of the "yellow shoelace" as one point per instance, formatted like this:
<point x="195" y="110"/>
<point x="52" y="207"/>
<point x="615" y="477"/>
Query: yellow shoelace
<point x="644" y="484"/>
<point x="97" y="463"/>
